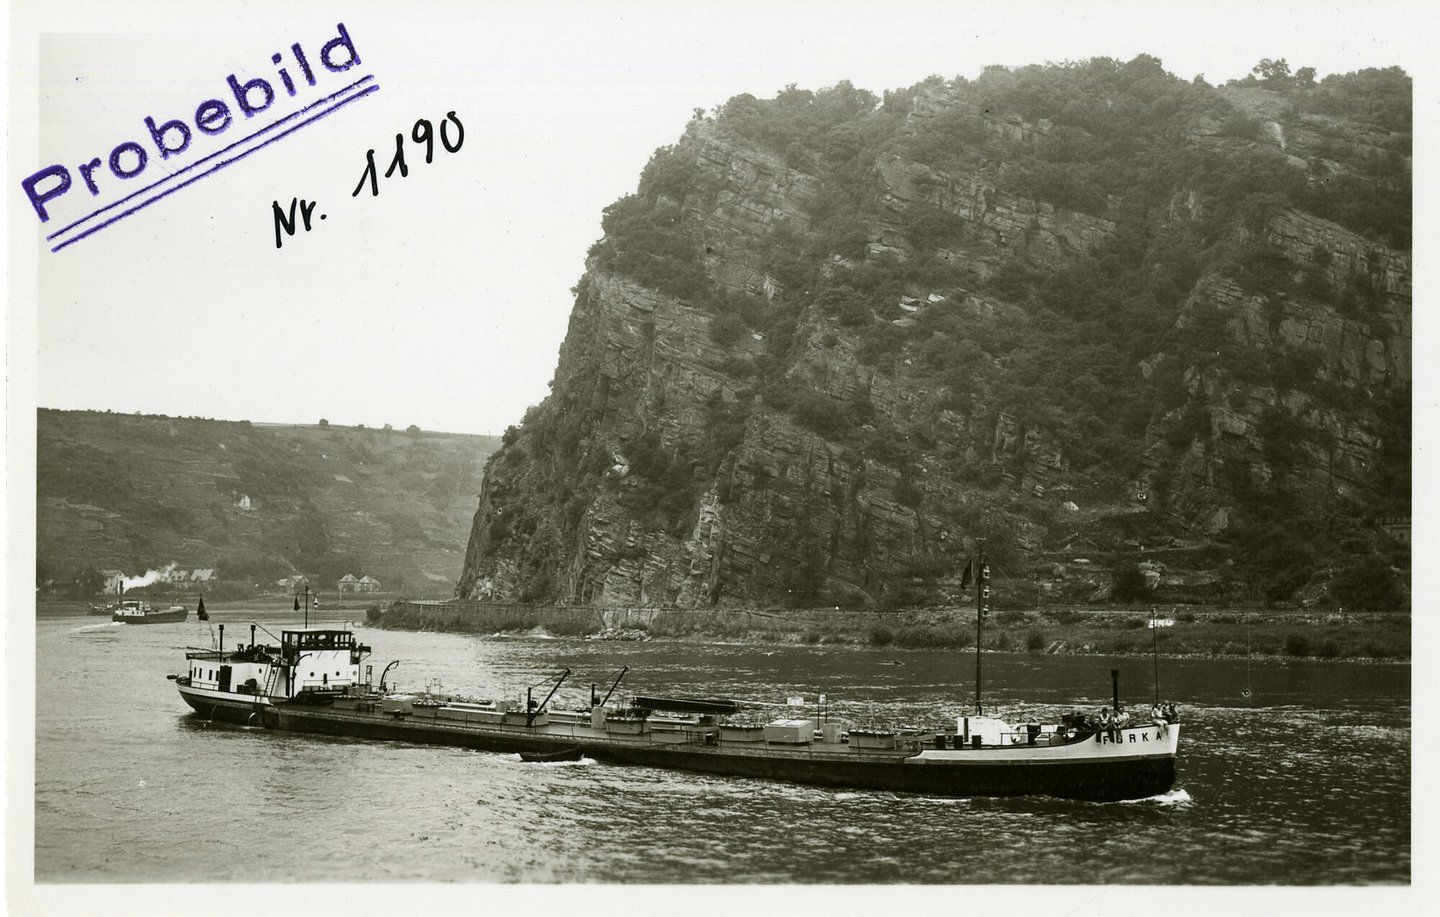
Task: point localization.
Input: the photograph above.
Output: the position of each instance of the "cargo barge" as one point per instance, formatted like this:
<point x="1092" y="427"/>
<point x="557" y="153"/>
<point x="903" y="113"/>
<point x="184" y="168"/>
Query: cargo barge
<point x="316" y="681"/>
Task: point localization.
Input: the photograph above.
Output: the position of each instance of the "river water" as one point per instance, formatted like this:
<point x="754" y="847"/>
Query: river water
<point x="1291" y="773"/>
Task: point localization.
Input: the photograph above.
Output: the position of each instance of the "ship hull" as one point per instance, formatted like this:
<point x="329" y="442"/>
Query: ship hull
<point x="226" y="706"/>
<point x="1140" y="765"/>
<point x="152" y="617"/>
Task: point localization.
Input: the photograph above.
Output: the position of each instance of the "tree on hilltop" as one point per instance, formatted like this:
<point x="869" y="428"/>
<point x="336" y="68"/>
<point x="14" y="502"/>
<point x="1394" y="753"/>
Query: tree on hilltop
<point x="1274" y="71"/>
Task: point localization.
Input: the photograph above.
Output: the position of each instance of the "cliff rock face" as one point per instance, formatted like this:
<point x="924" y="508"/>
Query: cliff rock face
<point x="1352" y="361"/>
<point x="830" y="343"/>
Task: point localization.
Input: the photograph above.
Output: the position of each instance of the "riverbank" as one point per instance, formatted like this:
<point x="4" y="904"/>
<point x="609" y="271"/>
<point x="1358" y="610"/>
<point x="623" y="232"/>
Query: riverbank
<point x="1369" y="636"/>
<point x="55" y="608"/>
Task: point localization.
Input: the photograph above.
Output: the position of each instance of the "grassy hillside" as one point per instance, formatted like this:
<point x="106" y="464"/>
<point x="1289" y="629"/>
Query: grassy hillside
<point x="257" y="501"/>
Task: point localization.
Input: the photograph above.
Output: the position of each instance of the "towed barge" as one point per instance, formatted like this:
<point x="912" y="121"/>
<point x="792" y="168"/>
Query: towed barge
<point x="316" y="681"/>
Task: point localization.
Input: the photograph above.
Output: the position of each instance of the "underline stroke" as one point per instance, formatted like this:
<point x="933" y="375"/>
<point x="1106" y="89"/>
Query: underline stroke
<point x="215" y="166"/>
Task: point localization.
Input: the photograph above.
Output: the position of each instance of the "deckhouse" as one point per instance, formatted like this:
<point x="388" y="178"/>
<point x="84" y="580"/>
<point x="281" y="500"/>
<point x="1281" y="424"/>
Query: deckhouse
<point x="322" y="661"/>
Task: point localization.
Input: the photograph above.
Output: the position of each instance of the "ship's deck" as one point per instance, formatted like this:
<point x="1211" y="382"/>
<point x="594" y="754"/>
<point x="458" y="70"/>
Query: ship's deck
<point x="559" y="729"/>
<point x="1141" y="763"/>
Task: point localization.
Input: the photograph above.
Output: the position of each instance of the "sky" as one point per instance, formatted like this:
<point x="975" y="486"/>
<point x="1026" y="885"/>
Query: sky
<point x="443" y="301"/>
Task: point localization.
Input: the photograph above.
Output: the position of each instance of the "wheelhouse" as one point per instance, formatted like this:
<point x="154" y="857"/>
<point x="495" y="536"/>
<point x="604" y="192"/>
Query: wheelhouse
<point x="322" y="660"/>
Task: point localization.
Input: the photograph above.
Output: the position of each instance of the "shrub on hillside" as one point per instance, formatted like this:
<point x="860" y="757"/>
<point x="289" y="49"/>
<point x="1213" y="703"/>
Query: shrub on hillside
<point x="1128" y="584"/>
<point x="1370" y="586"/>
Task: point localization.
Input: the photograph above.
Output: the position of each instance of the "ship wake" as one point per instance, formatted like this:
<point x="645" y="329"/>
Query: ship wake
<point x="1169" y="798"/>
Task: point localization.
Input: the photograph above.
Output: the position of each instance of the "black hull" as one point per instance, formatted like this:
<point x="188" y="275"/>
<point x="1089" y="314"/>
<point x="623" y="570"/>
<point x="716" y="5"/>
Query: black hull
<point x="565" y="754"/>
<point x="1100" y="781"/>
<point x="237" y="712"/>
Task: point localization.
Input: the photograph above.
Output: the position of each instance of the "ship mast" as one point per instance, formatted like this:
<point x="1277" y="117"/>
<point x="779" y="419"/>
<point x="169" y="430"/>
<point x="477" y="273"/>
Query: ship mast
<point x="982" y="608"/>
<point x="307" y="603"/>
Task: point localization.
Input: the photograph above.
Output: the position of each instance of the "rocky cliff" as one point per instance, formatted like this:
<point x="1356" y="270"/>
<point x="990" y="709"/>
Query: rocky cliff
<point x="1083" y="312"/>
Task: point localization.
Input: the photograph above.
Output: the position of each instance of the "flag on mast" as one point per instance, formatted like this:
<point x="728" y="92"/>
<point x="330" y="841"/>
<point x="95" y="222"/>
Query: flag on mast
<point x="965" y="577"/>
<point x="297" y="603"/>
<point x="200" y="611"/>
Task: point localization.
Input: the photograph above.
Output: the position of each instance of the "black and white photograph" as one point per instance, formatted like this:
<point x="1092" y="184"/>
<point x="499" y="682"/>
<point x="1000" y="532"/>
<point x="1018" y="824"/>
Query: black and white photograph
<point x="610" y="455"/>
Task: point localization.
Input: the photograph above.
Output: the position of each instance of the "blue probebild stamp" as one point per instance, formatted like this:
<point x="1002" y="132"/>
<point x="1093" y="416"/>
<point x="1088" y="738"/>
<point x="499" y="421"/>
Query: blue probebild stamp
<point x="251" y="111"/>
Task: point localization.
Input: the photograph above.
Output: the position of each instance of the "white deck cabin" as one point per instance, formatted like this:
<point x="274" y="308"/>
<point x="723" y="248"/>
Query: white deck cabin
<point x="324" y="660"/>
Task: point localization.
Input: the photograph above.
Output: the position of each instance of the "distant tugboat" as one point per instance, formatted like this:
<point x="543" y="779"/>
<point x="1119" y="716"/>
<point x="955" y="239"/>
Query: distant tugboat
<point x="131" y="611"/>
<point x="312" y="681"/>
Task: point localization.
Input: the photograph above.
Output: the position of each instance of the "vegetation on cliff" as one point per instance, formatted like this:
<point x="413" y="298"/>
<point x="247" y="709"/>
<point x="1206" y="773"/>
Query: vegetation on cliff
<point x="1078" y="309"/>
